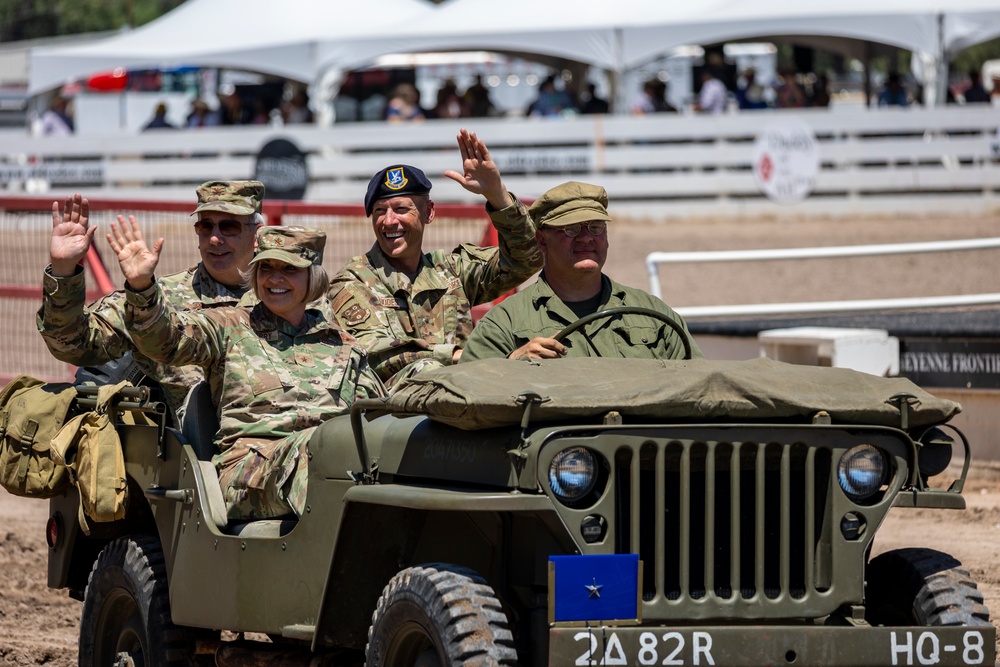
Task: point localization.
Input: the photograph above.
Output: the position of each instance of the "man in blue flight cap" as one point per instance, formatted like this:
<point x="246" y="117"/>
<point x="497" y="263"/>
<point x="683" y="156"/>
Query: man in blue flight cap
<point x="413" y="310"/>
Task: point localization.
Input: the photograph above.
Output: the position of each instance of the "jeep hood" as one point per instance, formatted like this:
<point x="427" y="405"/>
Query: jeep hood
<point x="485" y="393"/>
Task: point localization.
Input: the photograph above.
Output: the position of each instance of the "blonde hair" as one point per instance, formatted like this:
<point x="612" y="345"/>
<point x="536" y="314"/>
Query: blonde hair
<point x="319" y="281"/>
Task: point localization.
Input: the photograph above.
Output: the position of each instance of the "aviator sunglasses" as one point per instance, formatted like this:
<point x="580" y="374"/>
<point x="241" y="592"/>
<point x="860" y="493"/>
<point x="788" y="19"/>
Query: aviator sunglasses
<point x="227" y="227"/>
<point x="595" y="227"/>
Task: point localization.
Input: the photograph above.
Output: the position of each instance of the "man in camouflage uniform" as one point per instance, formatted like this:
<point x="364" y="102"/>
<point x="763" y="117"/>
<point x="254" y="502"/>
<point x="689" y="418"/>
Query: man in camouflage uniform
<point x="283" y="368"/>
<point x="413" y="310"/>
<point x="228" y="215"/>
<point x="572" y="221"/>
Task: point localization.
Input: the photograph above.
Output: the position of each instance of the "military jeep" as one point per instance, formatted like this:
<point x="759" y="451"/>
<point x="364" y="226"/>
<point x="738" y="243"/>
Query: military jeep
<point x="569" y="512"/>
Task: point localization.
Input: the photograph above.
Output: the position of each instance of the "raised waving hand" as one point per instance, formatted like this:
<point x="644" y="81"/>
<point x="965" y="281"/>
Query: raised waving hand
<point x="480" y="173"/>
<point x="136" y="259"/>
<point x="71" y="234"/>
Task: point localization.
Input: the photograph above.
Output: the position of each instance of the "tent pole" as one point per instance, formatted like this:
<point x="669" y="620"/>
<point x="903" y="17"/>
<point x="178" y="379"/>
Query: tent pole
<point x="941" y="66"/>
<point x="619" y="103"/>
<point x="868" y="74"/>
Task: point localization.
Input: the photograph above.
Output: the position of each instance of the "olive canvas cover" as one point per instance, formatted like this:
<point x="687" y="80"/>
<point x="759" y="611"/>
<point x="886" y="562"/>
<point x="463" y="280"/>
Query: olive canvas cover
<point x="485" y="393"/>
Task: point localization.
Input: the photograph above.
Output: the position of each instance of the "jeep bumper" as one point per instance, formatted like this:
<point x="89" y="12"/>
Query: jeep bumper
<point x="771" y="645"/>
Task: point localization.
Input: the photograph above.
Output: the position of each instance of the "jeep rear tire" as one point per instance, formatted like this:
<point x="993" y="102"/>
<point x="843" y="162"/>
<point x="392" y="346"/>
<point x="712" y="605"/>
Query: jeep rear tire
<point x="126" y="610"/>
<point x="438" y="615"/>
<point x="922" y="587"/>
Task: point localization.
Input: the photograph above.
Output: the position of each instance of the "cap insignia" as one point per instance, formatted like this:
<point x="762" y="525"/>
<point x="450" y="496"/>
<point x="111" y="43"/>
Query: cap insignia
<point x="395" y="179"/>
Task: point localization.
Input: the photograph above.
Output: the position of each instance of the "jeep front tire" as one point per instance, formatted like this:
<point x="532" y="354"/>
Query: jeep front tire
<point x="922" y="587"/>
<point x="438" y="615"/>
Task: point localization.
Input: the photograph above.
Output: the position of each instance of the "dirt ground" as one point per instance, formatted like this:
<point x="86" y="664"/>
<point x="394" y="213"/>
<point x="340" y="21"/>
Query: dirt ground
<point x="39" y="626"/>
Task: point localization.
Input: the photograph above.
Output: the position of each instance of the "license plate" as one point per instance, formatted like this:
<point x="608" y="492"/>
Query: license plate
<point x="772" y="645"/>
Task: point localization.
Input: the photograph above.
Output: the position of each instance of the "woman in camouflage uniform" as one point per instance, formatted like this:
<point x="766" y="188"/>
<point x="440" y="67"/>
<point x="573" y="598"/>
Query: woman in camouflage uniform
<point x="284" y="368"/>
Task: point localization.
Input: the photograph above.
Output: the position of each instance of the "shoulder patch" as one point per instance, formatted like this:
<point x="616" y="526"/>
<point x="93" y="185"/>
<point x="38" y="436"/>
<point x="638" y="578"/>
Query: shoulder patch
<point x="354" y="315"/>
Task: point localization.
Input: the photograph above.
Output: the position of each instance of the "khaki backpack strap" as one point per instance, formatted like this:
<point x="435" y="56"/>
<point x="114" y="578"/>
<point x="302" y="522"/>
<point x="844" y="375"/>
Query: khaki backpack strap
<point x="27" y="440"/>
<point x="107" y="393"/>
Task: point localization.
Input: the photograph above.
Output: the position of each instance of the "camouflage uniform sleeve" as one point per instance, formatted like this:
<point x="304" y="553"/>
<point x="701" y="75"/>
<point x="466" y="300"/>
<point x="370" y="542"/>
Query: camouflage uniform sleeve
<point x="358" y="311"/>
<point x="368" y="383"/>
<point x="489" y="272"/>
<point x="79" y="335"/>
<point x="162" y="333"/>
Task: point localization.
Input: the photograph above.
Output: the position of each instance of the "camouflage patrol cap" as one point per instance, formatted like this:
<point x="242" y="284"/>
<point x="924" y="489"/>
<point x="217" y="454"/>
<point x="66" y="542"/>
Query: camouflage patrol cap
<point x="399" y="179"/>
<point x="298" y="246"/>
<point x="237" y="197"/>
<point x="570" y="203"/>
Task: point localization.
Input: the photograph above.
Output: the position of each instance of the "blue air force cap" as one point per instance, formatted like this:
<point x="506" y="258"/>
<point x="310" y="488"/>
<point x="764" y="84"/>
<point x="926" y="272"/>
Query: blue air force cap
<point x="400" y="179"/>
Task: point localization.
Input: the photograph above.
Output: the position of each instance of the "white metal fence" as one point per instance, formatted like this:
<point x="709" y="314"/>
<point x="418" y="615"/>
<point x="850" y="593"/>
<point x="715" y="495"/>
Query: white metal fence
<point x="871" y="161"/>
<point x="655" y="259"/>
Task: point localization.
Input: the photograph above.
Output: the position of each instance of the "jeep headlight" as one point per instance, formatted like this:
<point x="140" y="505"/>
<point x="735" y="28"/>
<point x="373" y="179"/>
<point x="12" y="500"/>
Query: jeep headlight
<point x="573" y="474"/>
<point x="862" y="472"/>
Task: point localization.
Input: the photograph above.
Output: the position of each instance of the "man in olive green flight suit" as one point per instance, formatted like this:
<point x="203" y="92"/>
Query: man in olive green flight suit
<point x="572" y="221"/>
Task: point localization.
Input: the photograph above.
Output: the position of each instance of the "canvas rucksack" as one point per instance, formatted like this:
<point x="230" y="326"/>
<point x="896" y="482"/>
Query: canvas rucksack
<point x="90" y="449"/>
<point x="31" y="414"/>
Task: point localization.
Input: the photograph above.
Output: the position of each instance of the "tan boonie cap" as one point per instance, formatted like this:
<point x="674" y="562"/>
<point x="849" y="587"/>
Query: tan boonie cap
<point x="236" y="197"/>
<point x="298" y="246"/>
<point x="570" y="203"/>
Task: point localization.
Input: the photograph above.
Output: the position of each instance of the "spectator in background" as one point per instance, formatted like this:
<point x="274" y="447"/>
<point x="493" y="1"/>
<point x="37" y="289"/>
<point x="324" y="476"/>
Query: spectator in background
<point x="643" y="103"/>
<point x="57" y="120"/>
<point x="261" y="112"/>
<point x="201" y="115"/>
<point x="592" y="104"/>
<point x="749" y="93"/>
<point x="159" y="120"/>
<point x="976" y="93"/>
<point x="449" y="103"/>
<point x="404" y="105"/>
<point x="820" y="96"/>
<point x="712" y="96"/>
<point x="477" y="99"/>
<point x="233" y="111"/>
<point x="788" y="93"/>
<point x="296" y="110"/>
<point x="660" y="102"/>
<point x="893" y="94"/>
<point x="652" y="99"/>
<point x="551" y="102"/>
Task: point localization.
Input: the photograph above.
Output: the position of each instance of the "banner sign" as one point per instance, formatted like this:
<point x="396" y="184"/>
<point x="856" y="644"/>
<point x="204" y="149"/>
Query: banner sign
<point x="951" y="363"/>
<point x="786" y="161"/>
<point x="282" y="168"/>
<point x="56" y="173"/>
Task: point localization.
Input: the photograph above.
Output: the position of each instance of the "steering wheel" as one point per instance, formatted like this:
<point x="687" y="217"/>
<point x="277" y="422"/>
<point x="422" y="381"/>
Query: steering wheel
<point x="625" y="310"/>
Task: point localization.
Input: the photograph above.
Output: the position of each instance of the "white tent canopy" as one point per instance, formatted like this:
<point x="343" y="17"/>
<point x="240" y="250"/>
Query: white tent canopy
<point x="308" y="40"/>
<point x="279" y="38"/>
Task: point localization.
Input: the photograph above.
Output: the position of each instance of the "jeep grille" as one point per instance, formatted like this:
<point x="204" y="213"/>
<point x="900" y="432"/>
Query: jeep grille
<point x="738" y="525"/>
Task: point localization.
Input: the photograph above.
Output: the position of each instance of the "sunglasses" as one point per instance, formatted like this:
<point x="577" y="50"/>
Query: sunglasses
<point x="595" y="227"/>
<point x="227" y="227"/>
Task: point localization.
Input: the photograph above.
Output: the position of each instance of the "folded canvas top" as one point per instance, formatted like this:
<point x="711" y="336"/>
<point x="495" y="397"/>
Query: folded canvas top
<point x="488" y="393"/>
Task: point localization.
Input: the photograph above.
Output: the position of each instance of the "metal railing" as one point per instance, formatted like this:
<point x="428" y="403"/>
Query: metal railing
<point x="654" y="259"/>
